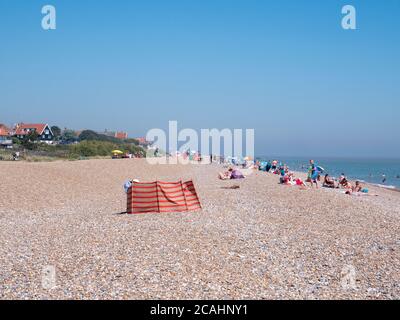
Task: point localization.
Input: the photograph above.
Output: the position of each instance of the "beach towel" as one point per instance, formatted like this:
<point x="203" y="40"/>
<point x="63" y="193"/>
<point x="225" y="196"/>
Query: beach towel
<point x="161" y="196"/>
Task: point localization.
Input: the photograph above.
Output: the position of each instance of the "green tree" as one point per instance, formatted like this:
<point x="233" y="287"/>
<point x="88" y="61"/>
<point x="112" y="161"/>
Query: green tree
<point x="69" y="135"/>
<point x="28" y="141"/>
<point x="131" y="140"/>
<point x="89" y="135"/>
<point x="56" y="132"/>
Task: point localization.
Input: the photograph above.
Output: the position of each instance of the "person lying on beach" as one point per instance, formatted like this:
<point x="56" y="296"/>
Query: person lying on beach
<point x="237" y="174"/>
<point x="300" y="183"/>
<point x="231" y="174"/>
<point x="328" y="182"/>
<point x="225" y="175"/>
<point x="360" y="194"/>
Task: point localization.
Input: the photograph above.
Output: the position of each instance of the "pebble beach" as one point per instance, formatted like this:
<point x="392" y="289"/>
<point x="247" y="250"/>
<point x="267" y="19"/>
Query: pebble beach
<point x="259" y="241"/>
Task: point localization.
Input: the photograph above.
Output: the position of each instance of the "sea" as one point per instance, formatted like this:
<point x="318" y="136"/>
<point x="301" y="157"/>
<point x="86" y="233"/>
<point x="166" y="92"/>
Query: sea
<point x="368" y="170"/>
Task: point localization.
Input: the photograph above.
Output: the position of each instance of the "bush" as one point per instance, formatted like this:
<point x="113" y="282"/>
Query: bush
<point x="91" y="148"/>
<point x="87" y="148"/>
<point x="94" y="136"/>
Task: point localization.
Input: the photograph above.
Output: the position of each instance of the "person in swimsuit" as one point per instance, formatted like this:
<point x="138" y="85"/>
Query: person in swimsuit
<point x="345" y="183"/>
<point x="328" y="182"/>
<point x="358" y="187"/>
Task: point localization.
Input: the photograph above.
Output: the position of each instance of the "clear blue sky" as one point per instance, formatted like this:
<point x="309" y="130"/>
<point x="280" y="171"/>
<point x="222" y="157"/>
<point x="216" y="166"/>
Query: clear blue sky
<point x="285" y="68"/>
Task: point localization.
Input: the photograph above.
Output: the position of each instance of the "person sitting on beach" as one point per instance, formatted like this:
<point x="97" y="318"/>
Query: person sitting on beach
<point x="263" y="166"/>
<point x="343" y="182"/>
<point x="268" y="166"/>
<point x="328" y="182"/>
<point x="288" y="179"/>
<point x="358" y="187"/>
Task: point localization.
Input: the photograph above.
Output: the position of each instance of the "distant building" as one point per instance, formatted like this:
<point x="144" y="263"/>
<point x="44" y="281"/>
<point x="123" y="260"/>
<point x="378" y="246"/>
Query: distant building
<point x="121" y="135"/>
<point x="4" y="130"/>
<point x="5" y="138"/>
<point x="143" y="141"/>
<point x="42" y="129"/>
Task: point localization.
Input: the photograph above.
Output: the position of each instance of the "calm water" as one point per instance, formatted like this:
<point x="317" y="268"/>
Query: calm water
<point x="369" y="170"/>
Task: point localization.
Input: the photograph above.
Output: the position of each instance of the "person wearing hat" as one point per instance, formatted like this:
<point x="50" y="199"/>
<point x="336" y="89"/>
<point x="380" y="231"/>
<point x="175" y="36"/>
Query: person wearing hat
<point x="129" y="184"/>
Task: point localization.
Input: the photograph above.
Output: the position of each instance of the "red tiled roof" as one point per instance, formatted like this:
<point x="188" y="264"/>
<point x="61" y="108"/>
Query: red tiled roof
<point x="24" y="128"/>
<point x="4" y="131"/>
<point x="121" y="135"/>
<point x="142" y="140"/>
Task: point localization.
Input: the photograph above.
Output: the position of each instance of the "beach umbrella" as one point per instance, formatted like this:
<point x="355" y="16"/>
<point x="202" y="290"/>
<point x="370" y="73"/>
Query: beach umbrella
<point x="117" y="152"/>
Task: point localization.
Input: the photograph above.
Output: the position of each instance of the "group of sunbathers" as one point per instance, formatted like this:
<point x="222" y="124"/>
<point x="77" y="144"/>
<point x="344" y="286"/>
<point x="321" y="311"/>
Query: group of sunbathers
<point x="344" y="183"/>
<point x="314" y="176"/>
<point x="286" y="177"/>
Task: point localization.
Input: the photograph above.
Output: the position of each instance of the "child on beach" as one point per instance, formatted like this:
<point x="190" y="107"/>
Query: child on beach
<point x="301" y="184"/>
